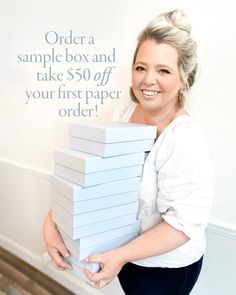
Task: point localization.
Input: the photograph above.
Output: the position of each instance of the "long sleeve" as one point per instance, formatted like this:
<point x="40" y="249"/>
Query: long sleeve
<point x="177" y="186"/>
<point x="185" y="180"/>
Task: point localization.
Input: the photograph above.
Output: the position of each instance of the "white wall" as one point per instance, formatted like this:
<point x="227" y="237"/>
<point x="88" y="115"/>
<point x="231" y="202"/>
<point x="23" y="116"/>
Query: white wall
<point x="30" y="132"/>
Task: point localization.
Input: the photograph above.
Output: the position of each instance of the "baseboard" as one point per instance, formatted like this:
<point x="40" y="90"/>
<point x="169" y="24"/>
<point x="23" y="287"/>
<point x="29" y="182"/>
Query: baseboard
<point x="26" y="278"/>
<point x="70" y="281"/>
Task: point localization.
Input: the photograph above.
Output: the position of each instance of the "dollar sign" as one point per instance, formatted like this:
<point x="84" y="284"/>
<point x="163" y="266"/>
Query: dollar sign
<point x="70" y="74"/>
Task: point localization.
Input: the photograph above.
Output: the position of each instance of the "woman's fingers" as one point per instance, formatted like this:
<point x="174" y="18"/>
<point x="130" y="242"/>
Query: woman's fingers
<point x="58" y="260"/>
<point x="94" y="277"/>
<point x="62" y="249"/>
<point x="97" y="279"/>
<point x="57" y="267"/>
<point x="101" y="284"/>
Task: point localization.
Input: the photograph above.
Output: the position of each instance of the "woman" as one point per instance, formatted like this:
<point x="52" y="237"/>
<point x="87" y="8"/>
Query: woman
<point x="176" y="185"/>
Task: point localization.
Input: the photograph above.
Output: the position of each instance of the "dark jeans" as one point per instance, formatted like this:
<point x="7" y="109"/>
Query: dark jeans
<point x="139" y="280"/>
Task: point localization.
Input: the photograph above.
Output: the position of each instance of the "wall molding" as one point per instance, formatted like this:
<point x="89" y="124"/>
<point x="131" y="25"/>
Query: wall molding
<point x="221" y="227"/>
<point x="24" y="168"/>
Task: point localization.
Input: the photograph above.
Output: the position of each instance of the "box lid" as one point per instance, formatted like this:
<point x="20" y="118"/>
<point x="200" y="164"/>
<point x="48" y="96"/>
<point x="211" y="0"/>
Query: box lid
<point x="76" y="193"/>
<point x="112" y="131"/>
<point x="88" y="163"/>
<point x="110" y="149"/>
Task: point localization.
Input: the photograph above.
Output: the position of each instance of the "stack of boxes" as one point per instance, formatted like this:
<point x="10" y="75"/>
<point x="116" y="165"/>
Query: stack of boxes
<point x="95" y="188"/>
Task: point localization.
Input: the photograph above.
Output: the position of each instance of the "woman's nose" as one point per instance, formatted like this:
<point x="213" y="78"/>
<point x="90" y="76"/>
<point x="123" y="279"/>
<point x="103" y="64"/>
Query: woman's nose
<point x="150" y="78"/>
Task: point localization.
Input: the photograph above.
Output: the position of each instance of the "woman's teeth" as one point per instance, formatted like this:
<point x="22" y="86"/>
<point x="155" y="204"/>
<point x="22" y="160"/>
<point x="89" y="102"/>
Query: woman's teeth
<point x="150" y="93"/>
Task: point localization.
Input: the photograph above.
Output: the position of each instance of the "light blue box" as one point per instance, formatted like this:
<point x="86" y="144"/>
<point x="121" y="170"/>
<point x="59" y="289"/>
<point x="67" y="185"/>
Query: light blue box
<point x="94" y="216"/>
<point x="89" y="241"/>
<point x="96" y="178"/>
<point x="87" y="163"/>
<point x="110" y="149"/>
<point x="93" y="228"/>
<point x="93" y="267"/>
<point x="78" y="193"/>
<point x="94" y="204"/>
<point x="79" y="266"/>
<point x="81" y="254"/>
<point x="112" y="132"/>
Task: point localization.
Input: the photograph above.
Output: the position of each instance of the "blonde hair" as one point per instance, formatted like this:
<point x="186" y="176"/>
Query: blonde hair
<point x="173" y="28"/>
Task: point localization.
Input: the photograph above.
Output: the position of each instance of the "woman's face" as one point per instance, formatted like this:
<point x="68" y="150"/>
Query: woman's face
<point x="155" y="78"/>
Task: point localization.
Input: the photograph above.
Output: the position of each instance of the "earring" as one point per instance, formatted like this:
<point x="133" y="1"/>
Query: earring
<point x="181" y="97"/>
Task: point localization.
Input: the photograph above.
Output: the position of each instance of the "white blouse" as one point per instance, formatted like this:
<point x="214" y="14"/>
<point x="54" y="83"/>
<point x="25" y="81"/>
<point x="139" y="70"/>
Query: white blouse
<point x="177" y="186"/>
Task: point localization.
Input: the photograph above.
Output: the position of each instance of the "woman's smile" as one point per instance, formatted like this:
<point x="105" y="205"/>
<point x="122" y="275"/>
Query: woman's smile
<point x="150" y="93"/>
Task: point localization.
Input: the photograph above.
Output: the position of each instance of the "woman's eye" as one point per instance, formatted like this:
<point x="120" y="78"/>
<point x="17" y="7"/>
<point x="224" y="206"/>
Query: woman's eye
<point x="139" y="68"/>
<point x="164" y="71"/>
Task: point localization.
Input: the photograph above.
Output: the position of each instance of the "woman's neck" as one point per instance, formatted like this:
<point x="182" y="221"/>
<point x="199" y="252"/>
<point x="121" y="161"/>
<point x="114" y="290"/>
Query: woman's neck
<point x="161" y="120"/>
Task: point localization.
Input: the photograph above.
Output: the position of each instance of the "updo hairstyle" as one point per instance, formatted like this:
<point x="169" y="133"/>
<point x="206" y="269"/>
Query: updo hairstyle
<point x="173" y="28"/>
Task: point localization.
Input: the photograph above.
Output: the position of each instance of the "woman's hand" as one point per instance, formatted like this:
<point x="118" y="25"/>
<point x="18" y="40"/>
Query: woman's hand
<point x="54" y="243"/>
<point x="111" y="264"/>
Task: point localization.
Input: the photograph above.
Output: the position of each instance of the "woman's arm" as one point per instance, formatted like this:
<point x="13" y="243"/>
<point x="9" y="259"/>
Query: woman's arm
<point x="159" y="240"/>
<point x="55" y="246"/>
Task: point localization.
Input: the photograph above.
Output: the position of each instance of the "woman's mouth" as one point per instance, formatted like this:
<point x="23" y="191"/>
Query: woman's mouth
<point x="150" y="93"/>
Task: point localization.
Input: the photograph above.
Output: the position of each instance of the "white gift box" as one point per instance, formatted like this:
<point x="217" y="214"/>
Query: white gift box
<point x="94" y="216"/>
<point x="94" y="204"/>
<point x="110" y="149"/>
<point x="100" y="177"/>
<point x="79" y="266"/>
<point x="89" y="241"/>
<point x="93" y="228"/>
<point x="112" y="132"/>
<point x="87" y="163"/>
<point x="81" y="254"/>
<point x="93" y="267"/>
<point x="78" y="272"/>
<point x="78" y="193"/>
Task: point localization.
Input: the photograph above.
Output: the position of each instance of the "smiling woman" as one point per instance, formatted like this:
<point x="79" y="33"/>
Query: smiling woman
<point x="177" y="179"/>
